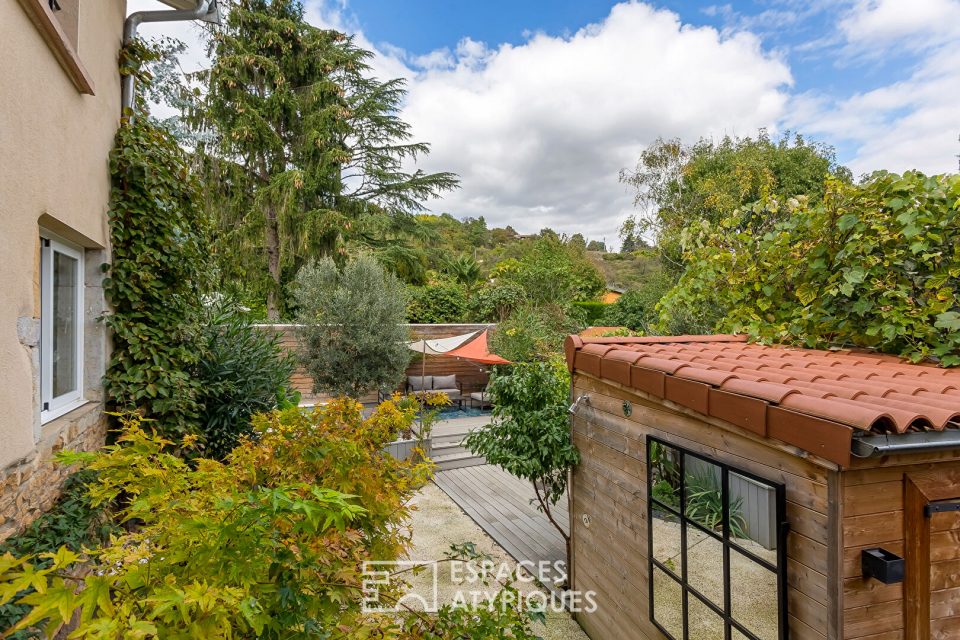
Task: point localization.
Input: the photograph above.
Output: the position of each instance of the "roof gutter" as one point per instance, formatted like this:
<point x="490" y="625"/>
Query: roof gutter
<point x="919" y="442"/>
<point x="197" y="10"/>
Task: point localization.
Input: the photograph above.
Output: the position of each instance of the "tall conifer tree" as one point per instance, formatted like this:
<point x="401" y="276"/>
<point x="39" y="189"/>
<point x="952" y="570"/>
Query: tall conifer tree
<point x="304" y="146"/>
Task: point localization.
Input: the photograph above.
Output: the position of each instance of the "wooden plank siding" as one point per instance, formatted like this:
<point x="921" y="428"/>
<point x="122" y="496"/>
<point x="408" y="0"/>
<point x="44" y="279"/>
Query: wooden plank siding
<point x="609" y="488"/>
<point x="873" y="516"/>
<point x="473" y="376"/>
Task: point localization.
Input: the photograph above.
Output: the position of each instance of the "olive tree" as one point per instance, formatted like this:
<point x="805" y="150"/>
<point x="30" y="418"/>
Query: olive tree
<point x="352" y="338"/>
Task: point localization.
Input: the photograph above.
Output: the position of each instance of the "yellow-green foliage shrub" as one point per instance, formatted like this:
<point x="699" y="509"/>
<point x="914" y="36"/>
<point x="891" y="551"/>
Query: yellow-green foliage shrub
<point x="270" y="543"/>
<point x="267" y="544"/>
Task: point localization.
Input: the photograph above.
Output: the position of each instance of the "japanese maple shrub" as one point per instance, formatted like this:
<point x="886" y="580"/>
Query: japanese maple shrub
<point x="270" y="543"/>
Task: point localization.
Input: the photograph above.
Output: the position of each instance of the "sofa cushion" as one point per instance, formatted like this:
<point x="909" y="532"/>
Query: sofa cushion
<point x="420" y="383"/>
<point x="444" y="383"/>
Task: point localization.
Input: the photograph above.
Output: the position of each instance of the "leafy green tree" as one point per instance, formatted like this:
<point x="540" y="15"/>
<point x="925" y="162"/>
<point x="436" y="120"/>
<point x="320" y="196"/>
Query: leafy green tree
<point x="552" y="272"/>
<point x="477" y="233"/>
<point x="549" y="234"/>
<point x="630" y="236"/>
<point x="535" y="333"/>
<point x="636" y="309"/>
<point x="596" y="245"/>
<point x="875" y="265"/>
<point x="530" y="433"/>
<point x="495" y="301"/>
<point x="678" y="186"/>
<point x="578" y="241"/>
<point x="353" y="336"/>
<point x="503" y="236"/>
<point x="304" y="146"/>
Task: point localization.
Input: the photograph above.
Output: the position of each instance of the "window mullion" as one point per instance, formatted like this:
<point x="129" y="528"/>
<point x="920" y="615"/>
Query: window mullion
<point x="725" y="500"/>
<point x="46" y="323"/>
<point x="688" y="592"/>
<point x="685" y="594"/>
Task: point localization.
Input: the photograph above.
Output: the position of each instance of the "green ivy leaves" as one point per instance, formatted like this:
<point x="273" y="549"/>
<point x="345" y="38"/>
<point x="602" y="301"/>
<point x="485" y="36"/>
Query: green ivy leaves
<point x="156" y="277"/>
<point x="875" y="265"/>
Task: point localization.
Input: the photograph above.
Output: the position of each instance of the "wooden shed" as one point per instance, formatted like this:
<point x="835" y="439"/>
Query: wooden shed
<point x="730" y="490"/>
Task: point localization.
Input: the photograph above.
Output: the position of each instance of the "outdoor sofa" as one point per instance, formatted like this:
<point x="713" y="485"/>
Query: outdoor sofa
<point x="436" y="384"/>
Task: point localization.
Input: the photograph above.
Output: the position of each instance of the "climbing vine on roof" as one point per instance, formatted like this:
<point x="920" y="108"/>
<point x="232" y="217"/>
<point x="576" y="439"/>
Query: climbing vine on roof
<point x="872" y="265"/>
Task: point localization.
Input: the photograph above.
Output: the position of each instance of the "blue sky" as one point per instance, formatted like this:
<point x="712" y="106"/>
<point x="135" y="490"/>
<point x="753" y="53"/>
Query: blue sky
<point x="805" y="34"/>
<point x="538" y="104"/>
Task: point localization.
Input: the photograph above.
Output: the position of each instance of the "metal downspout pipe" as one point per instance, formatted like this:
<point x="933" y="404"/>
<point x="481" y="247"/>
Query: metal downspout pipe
<point x="133" y="22"/>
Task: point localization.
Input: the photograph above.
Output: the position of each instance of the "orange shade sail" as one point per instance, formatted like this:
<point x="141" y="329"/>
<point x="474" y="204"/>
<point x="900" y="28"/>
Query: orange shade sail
<point x="477" y="350"/>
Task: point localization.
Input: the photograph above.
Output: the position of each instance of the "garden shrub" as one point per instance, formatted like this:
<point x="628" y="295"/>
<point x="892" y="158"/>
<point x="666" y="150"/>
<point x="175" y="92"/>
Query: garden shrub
<point x="534" y="333"/>
<point x="353" y="335"/>
<point x="637" y="308"/>
<point x="593" y="312"/>
<point x="873" y="265"/>
<point x="242" y="370"/>
<point x="268" y="544"/>
<point x="73" y="522"/>
<point x="436" y="303"/>
<point x="552" y="272"/>
<point x="496" y="301"/>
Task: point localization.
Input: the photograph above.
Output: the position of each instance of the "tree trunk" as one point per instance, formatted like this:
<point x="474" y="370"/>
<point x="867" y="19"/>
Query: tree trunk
<point x="273" y="265"/>
<point x="545" y="507"/>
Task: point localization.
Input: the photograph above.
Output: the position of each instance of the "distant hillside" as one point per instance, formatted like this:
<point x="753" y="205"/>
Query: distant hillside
<point x="625" y="271"/>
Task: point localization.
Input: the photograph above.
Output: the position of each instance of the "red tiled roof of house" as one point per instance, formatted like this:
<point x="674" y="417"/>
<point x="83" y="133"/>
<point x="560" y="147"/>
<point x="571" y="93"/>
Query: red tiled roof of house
<point x="771" y="389"/>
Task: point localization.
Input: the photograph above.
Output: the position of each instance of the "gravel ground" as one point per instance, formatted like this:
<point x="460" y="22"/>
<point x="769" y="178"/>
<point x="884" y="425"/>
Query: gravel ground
<point x="437" y="523"/>
<point x="754" y="588"/>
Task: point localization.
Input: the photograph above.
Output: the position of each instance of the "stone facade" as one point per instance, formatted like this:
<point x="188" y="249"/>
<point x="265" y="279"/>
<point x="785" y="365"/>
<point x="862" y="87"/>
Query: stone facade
<point x="57" y="133"/>
<point x="30" y="486"/>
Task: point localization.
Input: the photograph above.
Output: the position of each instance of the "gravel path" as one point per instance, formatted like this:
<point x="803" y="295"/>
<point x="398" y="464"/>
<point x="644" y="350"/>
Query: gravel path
<point x="437" y="523"/>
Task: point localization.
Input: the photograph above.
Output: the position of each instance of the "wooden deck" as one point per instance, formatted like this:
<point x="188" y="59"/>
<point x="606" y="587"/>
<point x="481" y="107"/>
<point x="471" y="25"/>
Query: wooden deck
<point x="500" y="504"/>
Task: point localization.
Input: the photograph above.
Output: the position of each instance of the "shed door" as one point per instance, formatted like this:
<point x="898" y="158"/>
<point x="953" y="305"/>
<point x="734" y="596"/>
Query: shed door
<point x="932" y="552"/>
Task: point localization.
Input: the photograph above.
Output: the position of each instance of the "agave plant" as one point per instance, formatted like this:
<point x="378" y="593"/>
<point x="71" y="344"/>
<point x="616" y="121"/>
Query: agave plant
<point x="465" y="270"/>
<point x="705" y="504"/>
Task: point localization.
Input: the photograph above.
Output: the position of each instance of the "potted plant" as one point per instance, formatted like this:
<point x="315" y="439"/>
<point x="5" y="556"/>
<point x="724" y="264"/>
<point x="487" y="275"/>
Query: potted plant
<point x="415" y="438"/>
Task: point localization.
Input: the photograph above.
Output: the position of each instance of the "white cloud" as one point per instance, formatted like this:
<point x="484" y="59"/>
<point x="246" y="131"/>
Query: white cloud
<point x="539" y="131"/>
<point x="875" y="25"/>
<point x="910" y="123"/>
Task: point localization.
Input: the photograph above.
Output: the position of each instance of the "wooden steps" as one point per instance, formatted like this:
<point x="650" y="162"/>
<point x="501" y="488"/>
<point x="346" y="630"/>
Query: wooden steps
<point x="448" y="451"/>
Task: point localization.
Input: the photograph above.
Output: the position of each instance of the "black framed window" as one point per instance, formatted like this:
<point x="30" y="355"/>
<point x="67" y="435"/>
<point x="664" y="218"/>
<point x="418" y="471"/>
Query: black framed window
<point x="716" y="548"/>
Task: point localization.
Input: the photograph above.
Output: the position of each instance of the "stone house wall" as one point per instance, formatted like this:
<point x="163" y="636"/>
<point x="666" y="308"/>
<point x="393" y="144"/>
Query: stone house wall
<point x="59" y="112"/>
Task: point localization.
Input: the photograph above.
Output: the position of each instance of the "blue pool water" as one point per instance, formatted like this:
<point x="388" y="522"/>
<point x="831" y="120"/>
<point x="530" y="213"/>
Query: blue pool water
<point x="449" y="413"/>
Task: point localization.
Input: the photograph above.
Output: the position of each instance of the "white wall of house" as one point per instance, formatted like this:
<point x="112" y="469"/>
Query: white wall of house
<point x="55" y="141"/>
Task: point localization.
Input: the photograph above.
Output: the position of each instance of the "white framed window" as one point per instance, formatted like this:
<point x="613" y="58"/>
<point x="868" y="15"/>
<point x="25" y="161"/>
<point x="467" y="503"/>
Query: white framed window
<point x="61" y="326"/>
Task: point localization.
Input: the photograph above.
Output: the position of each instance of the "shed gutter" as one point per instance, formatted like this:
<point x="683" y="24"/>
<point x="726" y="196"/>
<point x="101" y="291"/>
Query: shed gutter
<point x="190" y="10"/>
<point x="919" y="442"/>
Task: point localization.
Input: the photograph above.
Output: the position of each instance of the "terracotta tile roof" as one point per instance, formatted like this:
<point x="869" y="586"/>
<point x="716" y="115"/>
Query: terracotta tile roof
<point x="771" y="389"/>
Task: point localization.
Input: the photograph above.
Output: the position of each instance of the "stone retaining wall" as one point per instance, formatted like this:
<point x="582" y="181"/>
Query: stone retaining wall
<point x="30" y="486"/>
